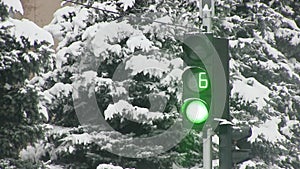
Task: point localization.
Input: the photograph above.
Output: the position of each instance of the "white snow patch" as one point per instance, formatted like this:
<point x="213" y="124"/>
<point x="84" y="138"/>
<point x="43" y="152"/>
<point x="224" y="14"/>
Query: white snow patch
<point x="269" y="64"/>
<point x="215" y="139"/>
<point x="224" y="121"/>
<point x="269" y="130"/>
<point x="83" y="138"/>
<point x="84" y="80"/>
<point x="247" y="164"/>
<point x="228" y="25"/>
<point x="15" y="5"/>
<point x="71" y="149"/>
<point x="79" y="21"/>
<point x="282" y="147"/>
<point x="292" y="35"/>
<point x="251" y="90"/>
<point x="289" y="69"/>
<point x="126" y="4"/>
<point x="139" y="42"/>
<point x="33" y="152"/>
<point x="115" y="49"/>
<point x="131" y="112"/>
<point x="141" y="63"/>
<point x="58" y="130"/>
<point x="215" y="163"/>
<point x="52" y="166"/>
<point x="90" y="32"/>
<point x="272" y="51"/>
<point x="240" y="43"/>
<point x="290" y="22"/>
<point x="233" y="43"/>
<point x="287" y="129"/>
<point x="165" y="19"/>
<point x="58" y="14"/>
<point x="117" y="91"/>
<point x="108" y="166"/>
<point x="74" y="49"/>
<point x="177" y="63"/>
<point x="28" y="29"/>
<point x="58" y="90"/>
<point x="174" y="76"/>
<point x="59" y="26"/>
<point x="107" y="6"/>
<point x="109" y="33"/>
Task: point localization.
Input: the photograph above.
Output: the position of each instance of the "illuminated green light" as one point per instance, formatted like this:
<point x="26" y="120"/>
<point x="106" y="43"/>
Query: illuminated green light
<point x="195" y="111"/>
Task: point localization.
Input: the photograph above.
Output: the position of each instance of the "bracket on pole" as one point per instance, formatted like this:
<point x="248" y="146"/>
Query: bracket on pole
<point x="207" y="12"/>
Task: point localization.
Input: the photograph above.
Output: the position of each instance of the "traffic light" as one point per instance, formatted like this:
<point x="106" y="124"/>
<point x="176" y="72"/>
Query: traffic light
<point x="209" y="56"/>
<point x="196" y="81"/>
<point x="205" y="79"/>
<point x="241" y="146"/>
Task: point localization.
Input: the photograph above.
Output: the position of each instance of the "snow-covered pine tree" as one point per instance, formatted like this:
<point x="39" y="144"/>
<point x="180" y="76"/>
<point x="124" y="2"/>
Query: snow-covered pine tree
<point x="265" y="76"/>
<point x="264" y="47"/>
<point x="151" y="57"/>
<point x="25" y="52"/>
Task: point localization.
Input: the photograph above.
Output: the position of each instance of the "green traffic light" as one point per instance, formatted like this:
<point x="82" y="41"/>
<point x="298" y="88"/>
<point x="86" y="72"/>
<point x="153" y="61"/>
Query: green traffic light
<point x="195" y="110"/>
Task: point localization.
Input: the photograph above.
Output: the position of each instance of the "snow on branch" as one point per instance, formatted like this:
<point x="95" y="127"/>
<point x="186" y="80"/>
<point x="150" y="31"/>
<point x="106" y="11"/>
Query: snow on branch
<point x="165" y="69"/>
<point x="27" y="29"/>
<point x="141" y="63"/>
<point x="108" y="34"/>
<point x="89" y="81"/>
<point x="269" y="129"/>
<point x="135" y="113"/>
<point x="251" y="90"/>
<point x="58" y="90"/>
<point x="14" y="5"/>
<point x="126" y="4"/>
<point x="108" y="166"/>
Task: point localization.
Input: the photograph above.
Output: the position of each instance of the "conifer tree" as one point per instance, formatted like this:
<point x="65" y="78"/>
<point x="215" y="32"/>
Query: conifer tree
<point x="23" y="55"/>
<point x="264" y="65"/>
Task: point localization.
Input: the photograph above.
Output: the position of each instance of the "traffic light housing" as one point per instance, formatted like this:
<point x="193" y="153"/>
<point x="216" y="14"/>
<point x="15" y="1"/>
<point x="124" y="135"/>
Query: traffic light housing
<point x="205" y="79"/>
<point x="196" y="82"/>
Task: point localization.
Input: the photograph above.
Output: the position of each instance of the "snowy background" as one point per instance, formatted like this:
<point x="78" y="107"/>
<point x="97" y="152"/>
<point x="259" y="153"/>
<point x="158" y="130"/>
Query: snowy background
<point x="39" y="126"/>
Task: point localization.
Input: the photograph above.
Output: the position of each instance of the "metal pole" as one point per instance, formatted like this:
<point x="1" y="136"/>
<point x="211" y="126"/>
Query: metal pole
<point x="225" y="131"/>
<point x="207" y="144"/>
<point x="225" y="147"/>
<point x="200" y="9"/>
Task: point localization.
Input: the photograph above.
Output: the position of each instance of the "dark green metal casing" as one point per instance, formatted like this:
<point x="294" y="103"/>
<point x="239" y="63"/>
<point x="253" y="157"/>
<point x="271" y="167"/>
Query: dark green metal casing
<point x="191" y="59"/>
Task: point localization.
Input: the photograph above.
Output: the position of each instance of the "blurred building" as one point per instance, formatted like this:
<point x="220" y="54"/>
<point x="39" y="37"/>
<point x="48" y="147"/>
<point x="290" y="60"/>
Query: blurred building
<point x="40" y="11"/>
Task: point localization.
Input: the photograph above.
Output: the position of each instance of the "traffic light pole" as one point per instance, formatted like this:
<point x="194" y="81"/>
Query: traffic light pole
<point x="207" y="12"/>
<point x="207" y="144"/>
<point x="225" y="147"/>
